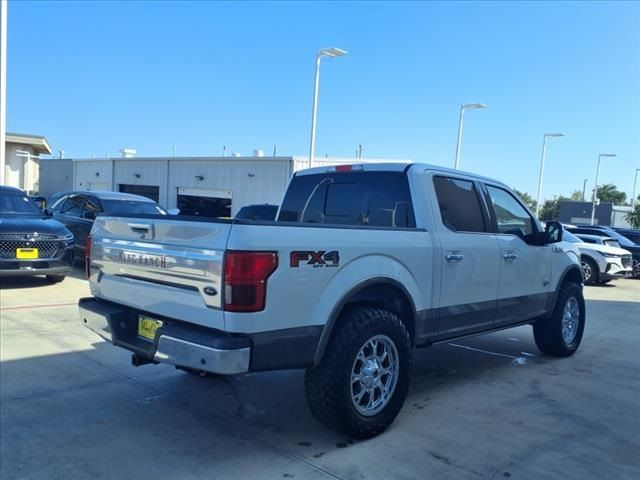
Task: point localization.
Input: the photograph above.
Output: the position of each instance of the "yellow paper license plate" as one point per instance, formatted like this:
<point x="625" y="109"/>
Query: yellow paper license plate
<point x="26" y="253"/>
<point x="147" y="327"/>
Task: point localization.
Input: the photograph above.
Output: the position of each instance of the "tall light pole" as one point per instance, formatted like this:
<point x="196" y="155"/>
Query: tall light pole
<point x="325" y="52"/>
<point x="633" y="195"/>
<point x="544" y="152"/>
<point x="3" y="85"/>
<point x="584" y="188"/>
<point x="463" y="107"/>
<point x="595" y="186"/>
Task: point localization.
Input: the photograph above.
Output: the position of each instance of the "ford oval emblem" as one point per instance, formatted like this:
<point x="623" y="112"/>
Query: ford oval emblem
<point x="210" y="291"/>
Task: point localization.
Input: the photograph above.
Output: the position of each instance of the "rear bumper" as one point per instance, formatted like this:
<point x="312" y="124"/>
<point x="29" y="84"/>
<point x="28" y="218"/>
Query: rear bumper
<point x="193" y="347"/>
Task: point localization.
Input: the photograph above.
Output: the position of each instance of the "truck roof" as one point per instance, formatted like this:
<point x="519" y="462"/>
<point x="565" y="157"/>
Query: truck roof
<point x="394" y="167"/>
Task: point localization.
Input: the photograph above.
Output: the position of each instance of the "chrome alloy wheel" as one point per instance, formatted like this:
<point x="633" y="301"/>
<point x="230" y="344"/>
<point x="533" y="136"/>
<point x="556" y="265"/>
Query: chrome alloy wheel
<point x="586" y="271"/>
<point x="570" y="320"/>
<point x="374" y="375"/>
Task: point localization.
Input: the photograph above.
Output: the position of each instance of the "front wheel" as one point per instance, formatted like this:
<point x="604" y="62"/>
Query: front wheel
<point x="636" y="269"/>
<point x="590" y="273"/>
<point x="363" y="379"/>
<point x="560" y="334"/>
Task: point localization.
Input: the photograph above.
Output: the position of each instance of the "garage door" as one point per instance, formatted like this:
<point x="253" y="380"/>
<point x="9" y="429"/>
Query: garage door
<point x="203" y="202"/>
<point x="149" y="191"/>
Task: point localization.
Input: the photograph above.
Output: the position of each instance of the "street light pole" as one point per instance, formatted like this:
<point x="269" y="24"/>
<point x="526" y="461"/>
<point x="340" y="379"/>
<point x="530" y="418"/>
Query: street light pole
<point x="584" y="188"/>
<point x="595" y="187"/>
<point x="633" y="195"/>
<point x="325" y="52"/>
<point x="463" y="107"/>
<point x="544" y="152"/>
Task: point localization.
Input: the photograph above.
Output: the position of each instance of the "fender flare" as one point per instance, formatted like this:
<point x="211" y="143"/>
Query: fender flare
<point x="554" y="298"/>
<point x="344" y="300"/>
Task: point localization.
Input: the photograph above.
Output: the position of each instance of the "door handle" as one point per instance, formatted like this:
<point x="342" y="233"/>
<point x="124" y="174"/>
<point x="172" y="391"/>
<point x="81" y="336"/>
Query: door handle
<point x="139" y="226"/>
<point x="454" y="257"/>
<point x="510" y="256"/>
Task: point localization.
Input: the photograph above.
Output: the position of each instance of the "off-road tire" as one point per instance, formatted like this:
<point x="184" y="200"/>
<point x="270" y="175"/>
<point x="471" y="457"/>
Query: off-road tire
<point x="328" y="385"/>
<point x="547" y="331"/>
<point x="55" y="278"/>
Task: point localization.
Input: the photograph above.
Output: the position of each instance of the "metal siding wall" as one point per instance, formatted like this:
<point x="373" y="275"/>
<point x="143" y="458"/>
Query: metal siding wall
<point x="55" y="176"/>
<point x="152" y="172"/>
<point x="250" y="180"/>
<point x="85" y="173"/>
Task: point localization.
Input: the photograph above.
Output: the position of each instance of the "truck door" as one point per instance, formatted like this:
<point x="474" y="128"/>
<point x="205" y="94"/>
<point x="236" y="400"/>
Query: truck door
<point x="525" y="268"/>
<point x="469" y="256"/>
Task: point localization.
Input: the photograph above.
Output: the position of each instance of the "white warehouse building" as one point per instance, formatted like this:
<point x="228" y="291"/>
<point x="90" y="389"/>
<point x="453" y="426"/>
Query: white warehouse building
<point x="210" y="186"/>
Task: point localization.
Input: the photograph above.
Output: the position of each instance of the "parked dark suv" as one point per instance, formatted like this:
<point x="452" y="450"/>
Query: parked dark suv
<point x="78" y="210"/>
<point x="603" y="231"/>
<point x="31" y="242"/>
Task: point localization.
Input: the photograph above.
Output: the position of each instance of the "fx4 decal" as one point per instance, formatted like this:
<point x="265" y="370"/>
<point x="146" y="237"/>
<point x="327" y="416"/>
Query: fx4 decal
<point x="315" y="259"/>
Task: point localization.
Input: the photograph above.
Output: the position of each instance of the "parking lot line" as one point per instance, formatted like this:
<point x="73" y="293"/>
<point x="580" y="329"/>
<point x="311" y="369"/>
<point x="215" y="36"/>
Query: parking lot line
<point x="49" y="305"/>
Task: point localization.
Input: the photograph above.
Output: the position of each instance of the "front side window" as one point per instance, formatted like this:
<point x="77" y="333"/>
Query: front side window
<point x="73" y="206"/>
<point x="511" y="216"/>
<point x="459" y="204"/>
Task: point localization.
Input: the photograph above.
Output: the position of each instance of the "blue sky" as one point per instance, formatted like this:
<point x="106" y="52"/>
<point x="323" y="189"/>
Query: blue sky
<point x="95" y="77"/>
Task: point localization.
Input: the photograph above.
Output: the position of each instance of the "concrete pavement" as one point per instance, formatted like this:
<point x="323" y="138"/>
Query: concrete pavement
<point x="72" y="406"/>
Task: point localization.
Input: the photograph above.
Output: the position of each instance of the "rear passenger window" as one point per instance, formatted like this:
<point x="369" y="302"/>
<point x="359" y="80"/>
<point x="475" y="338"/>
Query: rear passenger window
<point x="377" y="199"/>
<point x="459" y="204"/>
<point x="511" y="216"/>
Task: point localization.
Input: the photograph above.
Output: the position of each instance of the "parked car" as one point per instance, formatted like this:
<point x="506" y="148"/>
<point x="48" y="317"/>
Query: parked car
<point x="258" y="212"/>
<point x="601" y="258"/>
<point x="78" y="210"/>
<point x="630" y="233"/>
<point x="31" y="242"/>
<point x="603" y="231"/>
<point x="363" y="264"/>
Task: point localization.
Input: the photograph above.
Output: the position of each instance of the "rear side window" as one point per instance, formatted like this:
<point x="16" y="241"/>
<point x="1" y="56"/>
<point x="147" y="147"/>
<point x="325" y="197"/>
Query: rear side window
<point x="377" y="199"/>
<point x="459" y="204"/>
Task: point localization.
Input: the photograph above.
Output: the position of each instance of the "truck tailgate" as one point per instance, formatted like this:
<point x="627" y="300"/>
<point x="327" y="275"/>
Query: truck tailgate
<point x="168" y="266"/>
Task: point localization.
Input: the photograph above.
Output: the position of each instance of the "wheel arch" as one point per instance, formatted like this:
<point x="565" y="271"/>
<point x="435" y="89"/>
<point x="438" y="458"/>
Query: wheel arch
<point x="379" y="292"/>
<point x="573" y="273"/>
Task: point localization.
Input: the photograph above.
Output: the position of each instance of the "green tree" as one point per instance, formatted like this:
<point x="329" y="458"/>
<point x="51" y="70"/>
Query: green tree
<point x="610" y="193"/>
<point x="576" y="196"/>
<point x="550" y="209"/>
<point x="634" y="216"/>
<point x="526" y="198"/>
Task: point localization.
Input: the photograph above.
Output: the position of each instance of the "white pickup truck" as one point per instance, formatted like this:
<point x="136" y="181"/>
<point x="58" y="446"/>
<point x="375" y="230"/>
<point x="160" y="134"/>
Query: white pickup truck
<point x="362" y="264"/>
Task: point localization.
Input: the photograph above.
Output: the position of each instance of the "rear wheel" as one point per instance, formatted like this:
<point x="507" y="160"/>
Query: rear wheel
<point x="636" y="268"/>
<point x="560" y="334"/>
<point x="363" y="379"/>
<point x="55" y="278"/>
<point x="590" y="272"/>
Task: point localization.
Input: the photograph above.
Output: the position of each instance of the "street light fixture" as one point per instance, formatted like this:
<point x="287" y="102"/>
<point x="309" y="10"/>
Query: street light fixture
<point x="330" y="53"/>
<point x="544" y="152"/>
<point x="633" y="195"/>
<point x="595" y="187"/>
<point x="463" y="107"/>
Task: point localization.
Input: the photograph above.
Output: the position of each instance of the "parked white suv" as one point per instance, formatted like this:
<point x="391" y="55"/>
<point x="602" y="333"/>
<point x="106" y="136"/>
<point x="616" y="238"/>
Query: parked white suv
<point x="601" y="258"/>
<point x="362" y="264"/>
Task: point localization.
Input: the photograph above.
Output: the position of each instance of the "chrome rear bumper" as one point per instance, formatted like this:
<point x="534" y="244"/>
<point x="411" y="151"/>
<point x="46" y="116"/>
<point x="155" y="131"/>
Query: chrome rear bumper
<point x="118" y="325"/>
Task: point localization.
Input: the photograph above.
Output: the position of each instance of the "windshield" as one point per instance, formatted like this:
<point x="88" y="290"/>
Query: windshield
<point x="570" y="237"/>
<point x="114" y="207"/>
<point x="611" y="243"/>
<point x="12" y="203"/>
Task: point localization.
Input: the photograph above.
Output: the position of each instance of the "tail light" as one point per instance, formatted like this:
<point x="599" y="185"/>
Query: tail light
<point x="87" y="257"/>
<point x="245" y="279"/>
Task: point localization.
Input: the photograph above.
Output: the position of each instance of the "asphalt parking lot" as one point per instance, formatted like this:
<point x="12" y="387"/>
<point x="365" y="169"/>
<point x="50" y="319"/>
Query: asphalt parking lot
<point x="72" y="406"/>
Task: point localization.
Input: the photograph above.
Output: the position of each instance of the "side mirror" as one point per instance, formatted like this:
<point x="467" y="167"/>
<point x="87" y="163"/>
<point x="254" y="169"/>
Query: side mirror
<point x="173" y="211"/>
<point x="553" y="232"/>
<point x="48" y="212"/>
<point x="90" y="215"/>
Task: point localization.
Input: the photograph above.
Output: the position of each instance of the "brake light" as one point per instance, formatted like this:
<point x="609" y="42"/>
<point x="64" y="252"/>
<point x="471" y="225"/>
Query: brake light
<point x="87" y="257"/>
<point x="245" y="279"/>
<point x="345" y="168"/>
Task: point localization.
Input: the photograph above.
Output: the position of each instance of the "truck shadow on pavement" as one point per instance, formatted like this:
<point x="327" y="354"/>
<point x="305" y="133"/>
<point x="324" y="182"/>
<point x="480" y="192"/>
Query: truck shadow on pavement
<point x="57" y="388"/>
